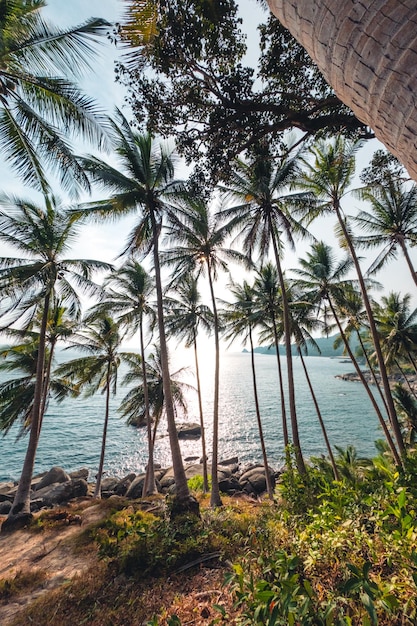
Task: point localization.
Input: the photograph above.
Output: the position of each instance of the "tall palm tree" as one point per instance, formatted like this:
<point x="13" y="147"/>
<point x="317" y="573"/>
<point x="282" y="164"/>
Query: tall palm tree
<point x="41" y="237"/>
<point x="263" y="215"/>
<point x="268" y="302"/>
<point x="240" y="318"/>
<point x="199" y="238"/>
<point x="321" y="281"/>
<point x="391" y="221"/>
<point x="143" y="186"/>
<point x="184" y="315"/>
<point x="329" y="177"/>
<point x="39" y="107"/>
<point x="128" y="295"/>
<point x="100" y="342"/>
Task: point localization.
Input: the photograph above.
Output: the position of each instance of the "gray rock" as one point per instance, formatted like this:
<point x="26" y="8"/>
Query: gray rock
<point x="7" y="487"/>
<point x="81" y="473"/>
<point x="234" y="460"/>
<point x="58" y="493"/>
<point x="55" y="475"/>
<point x="5" y="507"/>
<point x="189" y="431"/>
<point x="253" y="480"/>
<point x="124" y="484"/>
<point x="136" y="488"/>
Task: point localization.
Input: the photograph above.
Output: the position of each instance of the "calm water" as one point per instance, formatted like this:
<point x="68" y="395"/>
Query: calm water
<point x="71" y="431"/>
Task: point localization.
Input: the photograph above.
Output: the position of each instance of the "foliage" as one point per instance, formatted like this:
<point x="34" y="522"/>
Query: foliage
<point x="189" y="80"/>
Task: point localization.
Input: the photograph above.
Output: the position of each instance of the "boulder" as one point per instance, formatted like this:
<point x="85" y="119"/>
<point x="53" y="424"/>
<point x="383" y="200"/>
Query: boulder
<point x="5" y="488"/>
<point x="124" y="484"/>
<point x="234" y="460"/>
<point x="81" y="473"/>
<point x="135" y="489"/>
<point x="253" y="480"/>
<point x="189" y="431"/>
<point x="55" y="475"/>
<point x="57" y="493"/>
<point x="5" y="507"/>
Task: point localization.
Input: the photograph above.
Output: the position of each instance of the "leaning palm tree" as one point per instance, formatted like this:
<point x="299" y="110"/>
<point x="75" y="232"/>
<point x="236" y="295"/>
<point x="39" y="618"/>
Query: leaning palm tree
<point x="100" y="342"/>
<point x="263" y="214"/>
<point x="144" y="185"/>
<point x="39" y="106"/>
<point x="241" y="317"/>
<point x="128" y="294"/>
<point x="185" y="314"/>
<point x="198" y="241"/>
<point x="321" y="280"/>
<point x="329" y="176"/>
<point x="28" y="283"/>
<point x="390" y="222"/>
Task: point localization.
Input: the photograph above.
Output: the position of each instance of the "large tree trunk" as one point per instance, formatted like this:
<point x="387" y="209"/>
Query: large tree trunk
<point x="97" y="490"/>
<point x="20" y="510"/>
<point x="367" y="51"/>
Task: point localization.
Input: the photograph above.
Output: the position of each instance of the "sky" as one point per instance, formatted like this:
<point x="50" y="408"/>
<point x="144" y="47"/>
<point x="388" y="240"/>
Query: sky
<point x="105" y="242"/>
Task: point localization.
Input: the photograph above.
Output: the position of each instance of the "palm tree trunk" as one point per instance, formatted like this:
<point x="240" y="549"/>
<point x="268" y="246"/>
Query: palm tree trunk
<point x="371" y="369"/>
<point x="365" y="51"/>
<point x="367" y="388"/>
<point x="21" y="503"/>
<point x="97" y="490"/>
<point x="182" y="491"/>
<point x="407" y="382"/>
<point x="281" y="385"/>
<point x="215" y="499"/>
<point x="408" y="260"/>
<point x="47" y="378"/>
<point x="200" y="408"/>
<point x="374" y="334"/>
<point x="287" y="338"/>
<point x="149" y="485"/>
<point x="322" y="426"/>
<point x="258" y="417"/>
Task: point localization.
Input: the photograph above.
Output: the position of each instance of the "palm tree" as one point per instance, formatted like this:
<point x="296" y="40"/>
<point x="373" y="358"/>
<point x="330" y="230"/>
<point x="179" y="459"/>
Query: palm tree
<point x="184" y="315"/>
<point x="129" y="290"/>
<point x="240" y="318"/>
<point x="17" y="394"/>
<point x="304" y="321"/>
<point x="134" y="405"/>
<point x="329" y="176"/>
<point x="100" y="342"/>
<point x="263" y="214"/>
<point x="321" y="281"/>
<point x="199" y="241"/>
<point x="41" y="237"/>
<point x="391" y="222"/>
<point x="145" y="189"/>
<point x="268" y="298"/>
<point x="39" y="106"/>
<point x="397" y="327"/>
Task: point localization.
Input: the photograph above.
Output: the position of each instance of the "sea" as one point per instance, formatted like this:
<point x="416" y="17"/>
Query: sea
<point x="72" y="430"/>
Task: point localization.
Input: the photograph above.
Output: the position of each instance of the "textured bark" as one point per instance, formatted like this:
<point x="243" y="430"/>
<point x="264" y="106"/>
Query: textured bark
<point x="367" y="51"/>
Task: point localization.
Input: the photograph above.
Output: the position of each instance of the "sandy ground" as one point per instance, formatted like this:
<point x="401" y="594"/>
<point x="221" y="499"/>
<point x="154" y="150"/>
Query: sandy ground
<point x="49" y="550"/>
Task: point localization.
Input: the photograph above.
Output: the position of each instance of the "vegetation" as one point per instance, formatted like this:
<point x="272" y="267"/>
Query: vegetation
<point x="333" y="552"/>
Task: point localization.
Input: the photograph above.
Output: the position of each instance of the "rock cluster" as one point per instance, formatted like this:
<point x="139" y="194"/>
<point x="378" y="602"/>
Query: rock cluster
<point x="56" y="487"/>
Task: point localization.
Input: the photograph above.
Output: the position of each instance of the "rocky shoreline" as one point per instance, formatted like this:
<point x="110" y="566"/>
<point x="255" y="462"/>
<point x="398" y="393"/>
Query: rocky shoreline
<point x="57" y="487"/>
<point x="393" y="378"/>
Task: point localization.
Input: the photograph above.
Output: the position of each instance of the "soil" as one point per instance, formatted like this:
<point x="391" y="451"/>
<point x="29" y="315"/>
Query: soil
<point x="48" y="551"/>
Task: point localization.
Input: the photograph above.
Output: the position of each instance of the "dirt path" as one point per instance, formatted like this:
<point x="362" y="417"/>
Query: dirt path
<point x="49" y="552"/>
